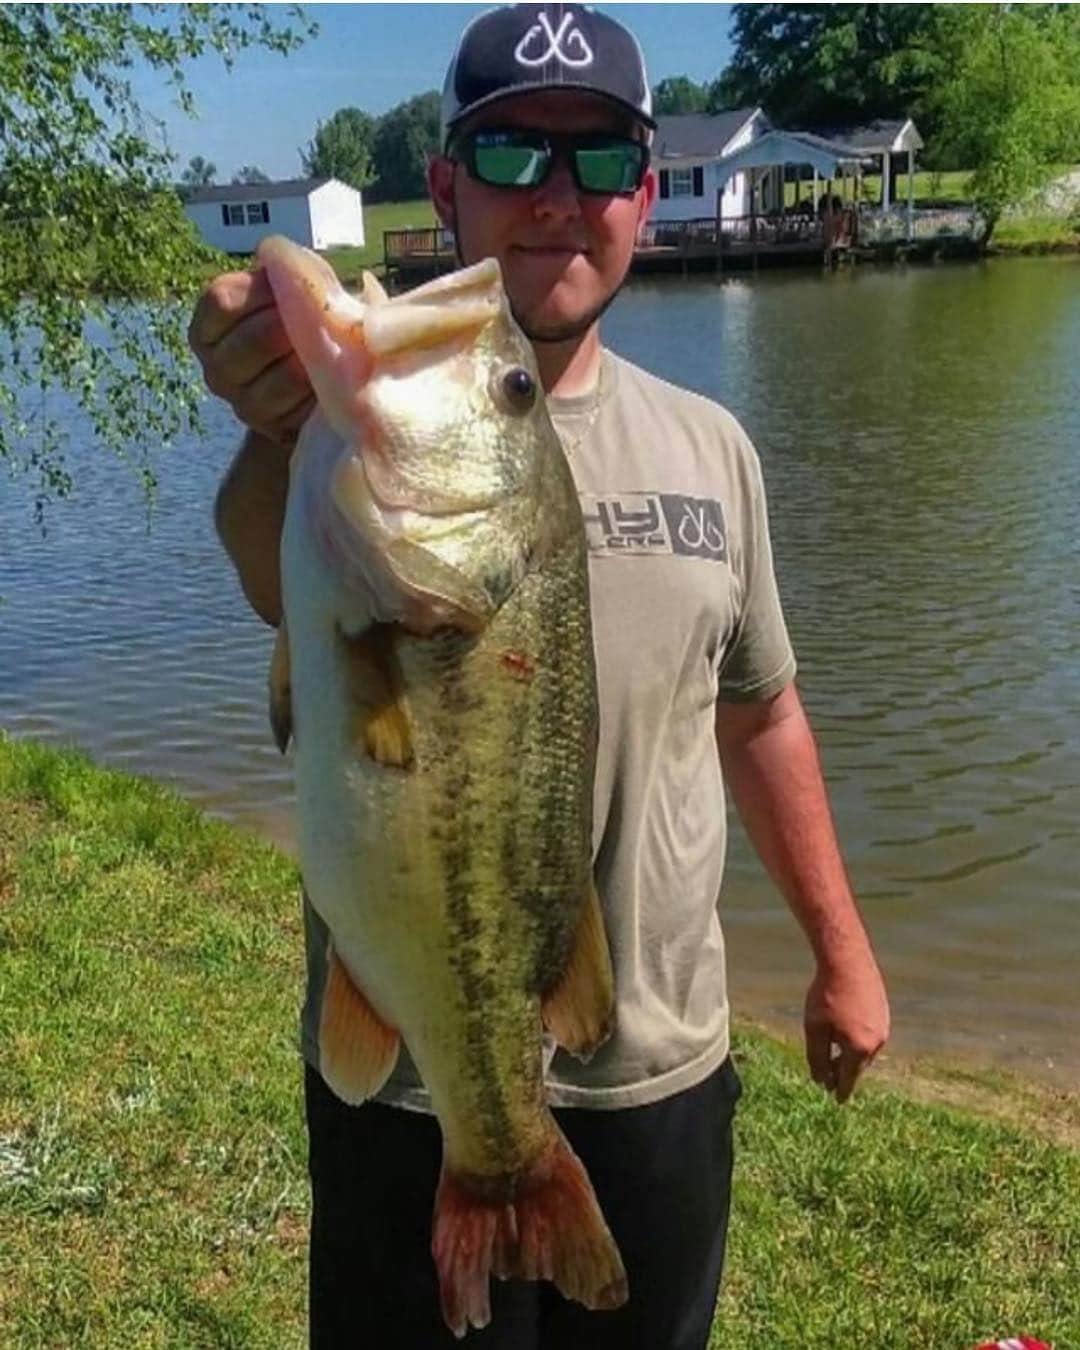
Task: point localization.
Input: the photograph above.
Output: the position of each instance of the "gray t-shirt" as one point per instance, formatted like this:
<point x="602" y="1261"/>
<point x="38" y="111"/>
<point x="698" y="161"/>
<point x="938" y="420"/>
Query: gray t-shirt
<point x="685" y="612"/>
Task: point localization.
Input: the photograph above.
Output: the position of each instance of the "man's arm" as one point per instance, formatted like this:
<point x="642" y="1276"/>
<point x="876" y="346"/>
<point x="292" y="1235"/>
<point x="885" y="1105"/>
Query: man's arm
<point x="249" y="512"/>
<point x="237" y="334"/>
<point x="771" y="764"/>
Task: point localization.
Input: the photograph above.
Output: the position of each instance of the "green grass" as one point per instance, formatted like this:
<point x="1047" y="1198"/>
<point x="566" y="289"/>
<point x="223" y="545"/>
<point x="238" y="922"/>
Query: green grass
<point x="152" y="1181"/>
<point x="350" y="262"/>
<point x="1036" y="233"/>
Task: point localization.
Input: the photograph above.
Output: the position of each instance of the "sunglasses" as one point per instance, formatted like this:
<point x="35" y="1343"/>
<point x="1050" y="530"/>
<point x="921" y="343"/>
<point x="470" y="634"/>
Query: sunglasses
<point x="599" y="162"/>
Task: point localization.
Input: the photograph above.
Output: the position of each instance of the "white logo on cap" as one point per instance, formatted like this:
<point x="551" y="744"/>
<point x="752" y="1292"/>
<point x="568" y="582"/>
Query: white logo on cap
<point x="576" y="53"/>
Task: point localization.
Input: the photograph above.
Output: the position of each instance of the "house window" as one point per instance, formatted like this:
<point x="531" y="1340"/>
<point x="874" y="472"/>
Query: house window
<point x="688" y="182"/>
<point x="253" y="213"/>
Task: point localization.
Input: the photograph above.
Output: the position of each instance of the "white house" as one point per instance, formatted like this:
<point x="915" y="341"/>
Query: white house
<point x="317" y="212"/>
<point x="686" y="151"/>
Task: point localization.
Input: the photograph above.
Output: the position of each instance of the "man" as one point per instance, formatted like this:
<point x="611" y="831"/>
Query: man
<point x="545" y="167"/>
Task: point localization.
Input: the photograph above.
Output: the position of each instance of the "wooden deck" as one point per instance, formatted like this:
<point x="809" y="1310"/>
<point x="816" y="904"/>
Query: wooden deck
<point x="746" y="241"/>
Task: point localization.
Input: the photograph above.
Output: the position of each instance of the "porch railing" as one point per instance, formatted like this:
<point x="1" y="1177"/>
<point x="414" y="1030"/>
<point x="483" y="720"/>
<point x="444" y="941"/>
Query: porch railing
<point x="891" y="225"/>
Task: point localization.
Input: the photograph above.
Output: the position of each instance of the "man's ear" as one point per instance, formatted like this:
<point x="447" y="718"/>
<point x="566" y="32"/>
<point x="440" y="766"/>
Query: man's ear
<point x="440" y="180"/>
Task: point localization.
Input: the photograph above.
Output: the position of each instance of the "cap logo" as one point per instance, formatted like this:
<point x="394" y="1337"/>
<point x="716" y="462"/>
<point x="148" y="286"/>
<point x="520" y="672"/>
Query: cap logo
<point x="576" y="53"/>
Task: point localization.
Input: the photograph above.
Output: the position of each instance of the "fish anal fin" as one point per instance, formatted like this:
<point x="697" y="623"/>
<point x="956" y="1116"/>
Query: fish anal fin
<point x="281" y="722"/>
<point x="579" y="1010"/>
<point x="380" y="722"/>
<point x="357" y="1049"/>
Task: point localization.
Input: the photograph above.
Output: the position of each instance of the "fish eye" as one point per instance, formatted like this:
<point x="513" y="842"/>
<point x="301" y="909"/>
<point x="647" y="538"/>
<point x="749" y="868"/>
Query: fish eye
<point x="517" y="389"/>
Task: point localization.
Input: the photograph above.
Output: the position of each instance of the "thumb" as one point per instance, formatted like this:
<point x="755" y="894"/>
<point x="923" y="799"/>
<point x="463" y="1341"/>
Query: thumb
<point x="819" y="1052"/>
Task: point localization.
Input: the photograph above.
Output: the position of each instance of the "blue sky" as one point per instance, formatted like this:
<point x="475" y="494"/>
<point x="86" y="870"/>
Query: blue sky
<point x="374" y="56"/>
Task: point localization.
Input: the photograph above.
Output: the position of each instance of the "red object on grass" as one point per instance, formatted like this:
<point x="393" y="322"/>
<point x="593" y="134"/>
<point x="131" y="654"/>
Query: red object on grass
<point x="1015" y="1343"/>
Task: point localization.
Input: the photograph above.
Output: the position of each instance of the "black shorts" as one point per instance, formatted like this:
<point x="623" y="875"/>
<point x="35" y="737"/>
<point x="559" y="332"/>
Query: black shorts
<point x="662" y="1175"/>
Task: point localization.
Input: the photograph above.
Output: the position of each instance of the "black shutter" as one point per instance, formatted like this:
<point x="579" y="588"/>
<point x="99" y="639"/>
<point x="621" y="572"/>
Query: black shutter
<point x="699" y="181"/>
<point x="665" y="183"/>
<point x="224" y="214"/>
<point x="266" y="213"/>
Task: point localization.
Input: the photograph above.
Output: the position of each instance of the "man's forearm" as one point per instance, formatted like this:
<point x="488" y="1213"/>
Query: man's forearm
<point x="772" y="767"/>
<point x="249" y="513"/>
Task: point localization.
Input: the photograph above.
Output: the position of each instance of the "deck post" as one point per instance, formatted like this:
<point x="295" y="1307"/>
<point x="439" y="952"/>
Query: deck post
<point x="886" y="166"/>
<point x="910" y="194"/>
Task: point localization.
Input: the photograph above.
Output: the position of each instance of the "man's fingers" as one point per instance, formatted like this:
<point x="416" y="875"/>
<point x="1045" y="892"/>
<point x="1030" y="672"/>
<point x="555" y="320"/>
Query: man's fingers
<point x="819" y="1053"/>
<point x="229" y="298"/>
<point x="248" y="350"/>
<point x="280" y="395"/>
<point x="848" y="1065"/>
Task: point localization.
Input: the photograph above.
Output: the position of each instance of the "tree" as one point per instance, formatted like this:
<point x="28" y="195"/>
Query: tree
<point x="341" y="148"/>
<point x="404" y="138"/>
<point x="679" y="94"/>
<point x="199" y="172"/>
<point x="807" y="64"/>
<point x="250" y="173"/>
<point x="1006" y="96"/>
<point x="98" y="263"/>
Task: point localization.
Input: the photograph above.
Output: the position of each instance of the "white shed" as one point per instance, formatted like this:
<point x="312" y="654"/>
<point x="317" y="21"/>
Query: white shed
<point x="686" y="152"/>
<point x="317" y="212"/>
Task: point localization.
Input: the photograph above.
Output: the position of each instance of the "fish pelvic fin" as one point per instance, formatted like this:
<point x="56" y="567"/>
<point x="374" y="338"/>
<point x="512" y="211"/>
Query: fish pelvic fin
<point x="281" y="722"/>
<point x="543" y="1224"/>
<point x="380" y="719"/>
<point x="357" y="1049"/>
<point x="579" y="1011"/>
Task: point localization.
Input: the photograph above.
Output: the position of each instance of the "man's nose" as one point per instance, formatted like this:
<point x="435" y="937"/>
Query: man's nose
<point x="557" y="195"/>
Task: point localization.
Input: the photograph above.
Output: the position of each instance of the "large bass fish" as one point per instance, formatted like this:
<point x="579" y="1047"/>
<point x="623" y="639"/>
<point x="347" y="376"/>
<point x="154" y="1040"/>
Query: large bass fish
<point x="435" y="670"/>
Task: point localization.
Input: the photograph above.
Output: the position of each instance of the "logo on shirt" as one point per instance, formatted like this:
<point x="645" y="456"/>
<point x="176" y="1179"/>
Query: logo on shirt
<point x="652" y="523"/>
<point x="564" y="44"/>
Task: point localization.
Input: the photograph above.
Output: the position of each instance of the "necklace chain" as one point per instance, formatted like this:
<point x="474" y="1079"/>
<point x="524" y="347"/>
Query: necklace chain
<point x="570" y="448"/>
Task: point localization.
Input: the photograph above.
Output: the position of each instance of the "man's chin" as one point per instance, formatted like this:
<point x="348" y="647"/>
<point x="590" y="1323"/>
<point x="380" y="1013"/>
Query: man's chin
<point x="540" y="327"/>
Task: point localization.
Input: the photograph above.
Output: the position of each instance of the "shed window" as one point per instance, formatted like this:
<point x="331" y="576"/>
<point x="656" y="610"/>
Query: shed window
<point x="258" y="213"/>
<point x="232" y="215"/>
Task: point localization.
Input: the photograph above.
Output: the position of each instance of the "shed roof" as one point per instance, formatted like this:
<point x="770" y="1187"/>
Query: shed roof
<point x="257" y="192"/>
<point x="874" y="138"/>
<point x="699" y="135"/>
<point x="791" y="147"/>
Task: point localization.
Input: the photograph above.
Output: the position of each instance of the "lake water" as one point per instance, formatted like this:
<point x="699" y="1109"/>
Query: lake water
<point x="920" y="434"/>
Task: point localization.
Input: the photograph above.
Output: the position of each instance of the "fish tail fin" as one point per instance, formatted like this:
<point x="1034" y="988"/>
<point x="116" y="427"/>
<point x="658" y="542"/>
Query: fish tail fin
<point x="546" y="1225"/>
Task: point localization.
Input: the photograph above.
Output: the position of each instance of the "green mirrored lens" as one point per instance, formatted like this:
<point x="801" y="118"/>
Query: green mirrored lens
<point x="505" y="164"/>
<point x="609" y="168"/>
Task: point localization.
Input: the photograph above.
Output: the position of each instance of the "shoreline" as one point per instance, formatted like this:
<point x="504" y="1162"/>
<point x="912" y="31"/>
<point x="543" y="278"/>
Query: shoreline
<point x="962" y="1076"/>
<point x="153" y="1138"/>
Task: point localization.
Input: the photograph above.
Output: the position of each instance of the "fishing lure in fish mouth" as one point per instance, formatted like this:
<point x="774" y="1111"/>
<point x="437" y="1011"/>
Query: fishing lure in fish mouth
<point x="435" y="673"/>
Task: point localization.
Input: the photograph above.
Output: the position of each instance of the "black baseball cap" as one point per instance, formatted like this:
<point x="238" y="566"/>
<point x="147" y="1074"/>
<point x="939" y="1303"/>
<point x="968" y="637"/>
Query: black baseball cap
<point x="518" y="49"/>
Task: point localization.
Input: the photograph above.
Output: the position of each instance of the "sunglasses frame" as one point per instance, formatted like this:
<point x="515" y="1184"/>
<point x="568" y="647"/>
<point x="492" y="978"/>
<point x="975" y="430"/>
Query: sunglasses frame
<point x="557" y="146"/>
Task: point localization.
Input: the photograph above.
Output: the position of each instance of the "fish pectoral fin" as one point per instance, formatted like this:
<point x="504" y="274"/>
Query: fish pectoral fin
<point x="281" y="690"/>
<point x="357" y="1049"/>
<point x="579" y="1011"/>
<point x="380" y="721"/>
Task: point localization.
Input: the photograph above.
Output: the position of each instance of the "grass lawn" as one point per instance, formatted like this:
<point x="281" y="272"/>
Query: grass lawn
<point x="350" y="262"/>
<point x="152" y="1182"/>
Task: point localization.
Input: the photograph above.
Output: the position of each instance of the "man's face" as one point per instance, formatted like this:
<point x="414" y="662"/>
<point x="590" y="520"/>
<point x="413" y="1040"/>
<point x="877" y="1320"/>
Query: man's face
<point x="564" y="253"/>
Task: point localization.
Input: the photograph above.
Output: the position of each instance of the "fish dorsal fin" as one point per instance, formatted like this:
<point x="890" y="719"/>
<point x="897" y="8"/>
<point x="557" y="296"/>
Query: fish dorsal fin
<point x="357" y="1049"/>
<point x="579" y="1010"/>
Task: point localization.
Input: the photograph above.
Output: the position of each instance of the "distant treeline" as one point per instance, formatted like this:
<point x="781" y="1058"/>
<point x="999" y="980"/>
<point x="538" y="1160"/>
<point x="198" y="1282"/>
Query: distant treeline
<point x="385" y="156"/>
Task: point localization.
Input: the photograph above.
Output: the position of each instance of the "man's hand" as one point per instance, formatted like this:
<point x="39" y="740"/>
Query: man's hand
<point x="247" y="359"/>
<point x="771" y="763"/>
<point x="847" y="1022"/>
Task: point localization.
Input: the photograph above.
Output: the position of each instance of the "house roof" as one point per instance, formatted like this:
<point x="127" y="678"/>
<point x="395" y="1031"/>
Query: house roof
<point x="257" y="192"/>
<point x="874" y="138"/>
<point x="698" y="135"/>
<point x="791" y="147"/>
